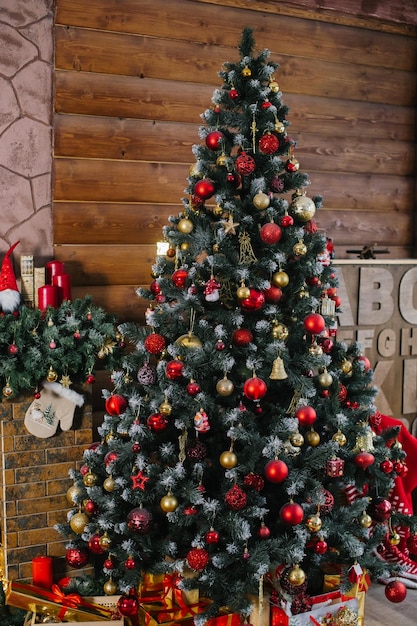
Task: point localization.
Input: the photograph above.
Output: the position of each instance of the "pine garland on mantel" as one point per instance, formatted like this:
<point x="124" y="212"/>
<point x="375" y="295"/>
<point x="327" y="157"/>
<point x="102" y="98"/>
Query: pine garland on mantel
<point x="61" y="344"/>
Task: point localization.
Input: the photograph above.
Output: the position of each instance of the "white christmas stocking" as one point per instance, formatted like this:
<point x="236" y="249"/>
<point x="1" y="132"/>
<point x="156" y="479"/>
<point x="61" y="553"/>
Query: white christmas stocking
<point x="56" y="405"/>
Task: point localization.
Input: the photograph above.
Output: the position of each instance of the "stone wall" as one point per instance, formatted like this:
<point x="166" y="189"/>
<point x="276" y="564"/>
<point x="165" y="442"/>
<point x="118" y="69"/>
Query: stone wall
<point x="26" y="66"/>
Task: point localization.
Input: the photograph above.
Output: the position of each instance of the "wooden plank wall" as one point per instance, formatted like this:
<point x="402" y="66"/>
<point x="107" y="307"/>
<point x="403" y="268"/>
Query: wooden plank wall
<point x="133" y="76"/>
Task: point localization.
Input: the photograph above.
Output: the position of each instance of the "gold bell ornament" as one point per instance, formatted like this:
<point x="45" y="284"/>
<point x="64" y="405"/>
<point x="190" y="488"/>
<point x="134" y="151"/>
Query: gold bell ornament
<point x="278" y="370"/>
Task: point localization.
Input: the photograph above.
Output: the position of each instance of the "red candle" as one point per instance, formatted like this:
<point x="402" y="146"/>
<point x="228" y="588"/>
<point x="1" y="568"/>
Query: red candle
<point x="53" y="268"/>
<point x="47" y="296"/>
<point x="63" y="282"/>
<point x="42" y="572"/>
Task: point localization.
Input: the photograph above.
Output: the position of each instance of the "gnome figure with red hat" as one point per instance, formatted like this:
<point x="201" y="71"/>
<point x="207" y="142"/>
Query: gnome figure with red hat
<point x="9" y="293"/>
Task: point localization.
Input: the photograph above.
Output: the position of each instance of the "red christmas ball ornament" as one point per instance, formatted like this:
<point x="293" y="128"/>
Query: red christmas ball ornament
<point x="198" y="559"/>
<point x="380" y="509"/>
<point x="214" y="140"/>
<point x="306" y="415"/>
<point x="277" y="184"/>
<point x="76" y="557"/>
<point x="395" y="591"/>
<point x="236" y="499"/>
<point x="286" y="221"/>
<point x="233" y="94"/>
<point x="254" y="481"/>
<point x="108" y="564"/>
<point x="291" y="514"/>
<point x="241" y="337"/>
<point x="254" y="302"/>
<point x="272" y="294"/>
<point x="94" y="544"/>
<point x="234" y="179"/>
<point x="276" y="471"/>
<point x="268" y="143"/>
<point x="90" y="379"/>
<point x="366" y="362"/>
<point x="84" y="469"/>
<point x="320" y="546"/>
<point x="204" y="189"/>
<point x="400" y="469"/>
<point x="154" y="343"/>
<point x="387" y="466"/>
<point x="193" y="388"/>
<point x="157" y="422"/>
<point x="254" y="388"/>
<point x="342" y="394"/>
<point x="174" y="369"/>
<point x="155" y="288"/>
<point x="139" y="520"/>
<point x="128" y="605"/>
<point x="264" y="532"/>
<point x="116" y="404"/>
<point x="412" y="543"/>
<point x="220" y="345"/>
<point x="179" y="278"/>
<point x="130" y="563"/>
<point x="136" y="447"/>
<point x="314" y="323"/>
<point x="270" y="233"/>
<point x="13" y="349"/>
<point x="327" y="345"/>
<point x="212" y="536"/>
<point x="364" y="460"/>
<point x="110" y="457"/>
<point x="160" y="298"/>
<point x="90" y="507"/>
<point x="245" y="164"/>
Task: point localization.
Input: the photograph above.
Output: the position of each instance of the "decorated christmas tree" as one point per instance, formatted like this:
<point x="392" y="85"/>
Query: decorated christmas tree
<point x="241" y="444"/>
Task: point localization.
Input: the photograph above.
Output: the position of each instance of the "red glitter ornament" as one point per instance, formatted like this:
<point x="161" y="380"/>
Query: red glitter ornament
<point x="254" y="302"/>
<point x="116" y="404"/>
<point x="264" y="532"/>
<point x="286" y="221"/>
<point x="412" y="543"/>
<point x="254" y="481"/>
<point x="154" y="343"/>
<point x="254" y="388"/>
<point x="174" y="369"/>
<point x="139" y="520"/>
<point x="76" y="557"/>
<point x="277" y="185"/>
<point x="306" y="415"/>
<point x="214" y="140"/>
<point x="241" y="337"/>
<point x="291" y="514"/>
<point x="395" y="591"/>
<point x="270" y="233"/>
<point x="204" y="188"/>
<point x="198" y="559"/>
<point x="314" y="323"/>
<point x="236" y="499"/>
<point x="245" y="164"/>
<point x="366" y="362"/>
<point x="90" y="507"/>
<point x="268" y="143"/>
<point x="276" y="471"/>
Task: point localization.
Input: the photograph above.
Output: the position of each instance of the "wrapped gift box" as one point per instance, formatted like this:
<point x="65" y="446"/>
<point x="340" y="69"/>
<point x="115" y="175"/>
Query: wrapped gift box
<point x="165" y="613"/>
<point x="166" y="588"/>
<point x="68" y="608"/>
<point x="330" y="608"/>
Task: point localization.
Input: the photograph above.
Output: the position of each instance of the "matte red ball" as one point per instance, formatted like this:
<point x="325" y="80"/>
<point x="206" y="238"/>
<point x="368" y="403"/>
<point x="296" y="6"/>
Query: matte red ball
<point x="395" y="591"/>
<point x="174" y="369"/>
<point x="306" y="415"/>
<point x="214" y="140"/>
<point x="241" y="337"/>
<point x="254" y="388"/>
<point x="94" y="544"/>
<point x="291" y="514"/>
<point x="128" y="606"/>
<point x="270" y="233"/>
<point x="76" y="557"/>
<point x="157" y="422"/>
<point x="314" y="323"/>
<point x="364" y="460"/>
<point x="116" y="404"/>
<point x="254" y="302"/>
<point x="380" y="509"/>
<point x="272" y="295"/>
<point x="276" y="471"/>
<point x="198" y="558"/>
<point x="204" y="189"/>
<point x="154" y="343"/>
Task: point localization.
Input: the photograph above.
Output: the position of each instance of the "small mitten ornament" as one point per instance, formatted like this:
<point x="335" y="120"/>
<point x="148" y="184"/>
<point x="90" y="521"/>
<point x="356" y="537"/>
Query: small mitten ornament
<point x="56" y="405"/>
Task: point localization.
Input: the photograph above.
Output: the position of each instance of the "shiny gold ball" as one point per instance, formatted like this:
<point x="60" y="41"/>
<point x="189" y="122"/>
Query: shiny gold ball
<point x="221" y="161"/>
<point x="315" y="349"/>
<point x="302" y="209"/>
<point x="280" y="279"/>
<point x="297" y="440"/>
<point x="74" y="493"/>
<point x="243" y="292"/>
<point x="365" y="520"/>
<point x="228" y="459"/>
<point x="314" y="523"/>
<point x="194" y="170"/>
<point x="78" y="522"/>
<point x="184" y="246"/>
<point x="303" y="293"/>
<point x="109" y="484"/>
<point x="340" y="438"/>
<point x="279" y="128"/>
<point x="346" y="366"/>
<point x="168" y="503"/>
<point x="105" y="541"/>
<point x="274" y="87"/>
<point x="51" y="376"/>
<point x="300" y="249"/>
<point x="397" y="445"/>
<point x="189" y="340"/>
<point x="246" y="72"/>
<point x="90" y="479"/>
<point x="165" y="408"/>
<point x="296" y="576"/>
<point x="185" y="226"/>
<point x="7" y="391"/>
<point x="325" y="379"/>
<point x="110" y="587"/>
<point x="312" y="438"/>
<point x="261" y="201"/>
<point x="218" y="210"/>
<point x="225" y="387"/>
<point x="280" y="332"/>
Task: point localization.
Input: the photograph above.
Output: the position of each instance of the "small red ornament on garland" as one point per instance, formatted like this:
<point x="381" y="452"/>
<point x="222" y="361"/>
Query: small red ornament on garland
<point x="198" y="559"/>
<point x="116" y="404"/>
<point x="236" y="499"/>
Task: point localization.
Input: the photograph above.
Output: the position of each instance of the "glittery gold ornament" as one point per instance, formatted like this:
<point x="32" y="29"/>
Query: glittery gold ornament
<point x="313" y="438"/>
<point x="78" y="522"/>
<point x="314" y="523"/>
<point x="279" y="127"/>
<point x="185" y="226"/>
<point x="364" y="440"/>
<point x="346" y="366"/>
<point x="218" y="210"/>
<point x="280" y="279"/>
<point x="109" y="484"/>
<point x="345" y="616"/>
<point x="74" y="493"/>
<point x="184" y="246"/>
<point x="300" y="249"/>
<point x="194" y="170"/>
<point x="110" y="587"/>
<point x="394" y="538"/>
<point x="168" y="503"/>
<point x="296" y="576"/>
<point x="273" y="85"/>
<point x="302" y="208"/>
<point x="90" y="479"/>
<point x="228" y="459"/>
<point x="261" y="201"/>
<point x="278" y="370"/>
<point x="397" y="445"/>
<point x="279" y="331"/>
<point x="340" y="438"/>
<point x="325" y="379"/>
<point x="225" y="387"/>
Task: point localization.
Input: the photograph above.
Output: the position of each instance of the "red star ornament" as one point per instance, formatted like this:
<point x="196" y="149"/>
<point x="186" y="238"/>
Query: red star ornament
<point x="139" y="480"/>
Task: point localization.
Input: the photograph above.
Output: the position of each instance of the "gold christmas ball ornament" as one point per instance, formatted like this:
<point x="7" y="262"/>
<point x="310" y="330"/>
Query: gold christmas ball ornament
<point x="394" y="539"/>
<point x="189" y="340"/>
<point x="185" y="226"/>
<point x="313" y="438"/>
<point x="261" y="201"/>
<point x="280" y="331"/>
<point x="228" y="459"/>
<point x="105" y="542"/>
<point x="315" y="349"/>
<point x="90" y="479"/>
<point x="51" y="376"/>
<point x="73" y="494"/>
<point x="274" y="87"/>
<point x="78" y="522"/>
<point x="325" y="379"/>
<point x="302" y="208"/>
<point x="365" y="520"/>
<point x="296" y="576"/>
<point x="218" y="210"/>
<point x="165" y="408"/>
<point x="168" y="503"/>
<point x="110" y="587"/>
<point x="194" y="170"/>
<point x="314" y="523"/>
<point x="7" y="391"/>
<point x="246" y="72"/>
<point x="225" y="387"/>
<point x="243" y="292"/>
<point x="340" y="438"/>
<point x="109" y="484"/>
<point x="279" y="127"/>
<point x="346" y="366"/>
<point x="221" y="161"/>
<point x="300" y="249"/>
<point x="184" y="246"/>
<point x="297" y="440"/>
<point x="280" y="279"/>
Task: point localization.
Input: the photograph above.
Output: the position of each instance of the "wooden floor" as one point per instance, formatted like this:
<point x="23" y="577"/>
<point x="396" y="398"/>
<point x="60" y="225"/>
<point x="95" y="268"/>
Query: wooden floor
<point x="380" y="612"/>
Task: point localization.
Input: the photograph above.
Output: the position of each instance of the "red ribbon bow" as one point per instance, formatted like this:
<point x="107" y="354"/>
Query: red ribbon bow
<point x="71" y="600"/>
